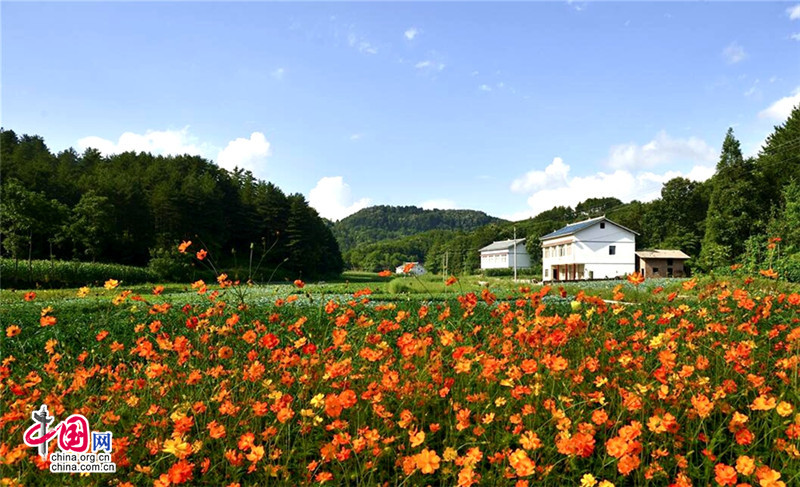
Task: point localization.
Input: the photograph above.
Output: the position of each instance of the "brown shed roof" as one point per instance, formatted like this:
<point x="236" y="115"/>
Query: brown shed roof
<point x="661" y="254"/>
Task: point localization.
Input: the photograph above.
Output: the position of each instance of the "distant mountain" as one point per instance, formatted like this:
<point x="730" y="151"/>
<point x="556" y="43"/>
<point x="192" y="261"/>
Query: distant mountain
<point x="383" y="222"/>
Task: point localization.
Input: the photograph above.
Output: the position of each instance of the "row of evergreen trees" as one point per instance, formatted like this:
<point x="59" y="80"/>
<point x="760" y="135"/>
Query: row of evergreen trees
<point x="131" y="207"/>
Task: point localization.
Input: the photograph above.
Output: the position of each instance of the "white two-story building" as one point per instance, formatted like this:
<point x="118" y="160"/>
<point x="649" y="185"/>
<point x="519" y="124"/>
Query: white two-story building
<point x="592" y="249"/>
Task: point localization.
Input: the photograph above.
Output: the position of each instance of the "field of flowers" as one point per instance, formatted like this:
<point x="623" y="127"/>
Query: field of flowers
<point x="697" y="386"/>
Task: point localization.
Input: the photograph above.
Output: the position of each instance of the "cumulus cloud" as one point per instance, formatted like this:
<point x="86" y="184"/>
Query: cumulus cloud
<point x="332" y="198"/>
<point x="734" y="53"/>
<point x="663" y="149"/>
<point x="160" y="142"/>
<point x="250" y="154"/>
<point x="555" y="173"/>
<point x="485" y="87"/>
<point x="411" y="33"/>
<point x="439" y="204"/>
<point x="794" y="12"/>
<point x="558" y="188"/>
<point x="781" y="109"/>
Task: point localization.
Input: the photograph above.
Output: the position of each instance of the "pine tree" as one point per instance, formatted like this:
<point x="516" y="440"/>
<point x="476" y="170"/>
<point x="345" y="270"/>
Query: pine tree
<point x="733" y="209"/>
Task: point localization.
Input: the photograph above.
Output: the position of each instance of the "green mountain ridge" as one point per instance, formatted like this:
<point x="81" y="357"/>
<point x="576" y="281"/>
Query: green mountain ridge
<point x="384" y="222"/>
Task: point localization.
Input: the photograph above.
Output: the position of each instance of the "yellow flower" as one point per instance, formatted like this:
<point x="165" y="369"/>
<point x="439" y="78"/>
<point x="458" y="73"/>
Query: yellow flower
<point x="83" y="292"/>
<point x="318" y="400"/>
<point x="588" y="480"/>
<point x="450" y="454"/>
<point x="605" y="483"/>
<point x="177" y="447"/>
<point x="784" y="409"/>
<point x="111" y="284"/>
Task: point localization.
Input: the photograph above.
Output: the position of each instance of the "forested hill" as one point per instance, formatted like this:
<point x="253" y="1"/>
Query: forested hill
<point x="132" y="207"/>
<point x="383" y="222"/>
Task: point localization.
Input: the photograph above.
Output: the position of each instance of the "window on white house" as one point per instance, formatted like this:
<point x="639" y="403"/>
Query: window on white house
<point x="612" y="250"/>
<point x="547" y="273"/>
<point x="602" y="225"/>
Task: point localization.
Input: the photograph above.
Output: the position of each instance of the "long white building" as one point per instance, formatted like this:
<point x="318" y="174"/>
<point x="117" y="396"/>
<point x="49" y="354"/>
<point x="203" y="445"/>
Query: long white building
<point x="504" y="254"/>
<point x="592" y="249"/>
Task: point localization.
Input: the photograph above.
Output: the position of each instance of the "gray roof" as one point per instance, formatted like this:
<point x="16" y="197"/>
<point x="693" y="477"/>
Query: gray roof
<point x="502" y="245"/>
<point x="661" y="254"/>
<point x="574" y="228"/>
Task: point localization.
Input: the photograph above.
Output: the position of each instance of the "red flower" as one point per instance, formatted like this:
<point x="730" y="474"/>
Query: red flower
<point x="30" y="296"/>
<point x="385" y="273"/>
<point x="201" y="254"/>
<point x="299" y="284"/>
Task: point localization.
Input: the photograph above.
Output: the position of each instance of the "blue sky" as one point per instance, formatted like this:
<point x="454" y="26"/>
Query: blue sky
<point x="507" y="108"/>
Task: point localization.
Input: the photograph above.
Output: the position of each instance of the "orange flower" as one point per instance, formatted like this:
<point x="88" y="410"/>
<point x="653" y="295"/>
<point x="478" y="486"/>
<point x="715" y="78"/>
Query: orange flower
<point x="225" y="352"/>
<point x="201" y="254"/>
<point x="521" y="463"/>
<point x="768" y="477"/>
<point x="180" y="472"/>
<point x="745" y="465"/>
<point x="111" y="284"/>
<point x="763" y="403"/>
<point x="385" y="273"/>
<point x="702" y="405"/>
<point x="216" y="430"/>
<point x="47" y="320"/>
<point x="30" y="296"/>
<point x="769" y="273"/>
<point x="416" y="438"/>
<point x="724" y="474"/>
<point x="450" y="281"/>
<point x="299" y="284"/>
<point x="427" y="461"/>
<point x="688" y="285"/>
<point x="408" y="268"/>
<point x="100" y="336"/>
<point x="636" y="278"/>
<point x="158" y="290"/>
<point x="13" y="331"/>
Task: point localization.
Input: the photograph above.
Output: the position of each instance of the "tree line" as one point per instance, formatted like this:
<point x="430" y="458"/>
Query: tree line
<point x="747" y="213"/>
<point x="134" y="208"/>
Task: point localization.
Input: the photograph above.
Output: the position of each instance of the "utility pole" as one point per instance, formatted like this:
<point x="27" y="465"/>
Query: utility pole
<point x="515" y="253"/>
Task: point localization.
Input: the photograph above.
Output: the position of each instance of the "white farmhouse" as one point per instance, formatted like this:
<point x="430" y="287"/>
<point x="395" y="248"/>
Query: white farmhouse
<point x="592" y="249"/>
<point x="503" y="254"/>
<point x="415" y="268"/>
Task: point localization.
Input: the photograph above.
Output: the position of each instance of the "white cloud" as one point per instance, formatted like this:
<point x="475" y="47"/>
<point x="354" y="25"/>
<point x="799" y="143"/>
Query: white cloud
<point x="794" y="12"/>
<point x="278" y="73"/>
<point x="734" y="53"/>
<point x="428" y="65"/>
<point x="439" y="204"/>
<point x="663" y="149"/>
<point x="357" y="136"/>
<point x="250" y="154"/>
<point x="361" y="45"/>
<point x="781" y="109"/>
<point x="159" y="142"/>
<point x="560" y="189"/>
<point x="411" y="33"/>
<point x="331" y="197"/>
<point x="555" y="173"/>
<point x="753" y="89"/>
<point x="795" y="36"/>
<point x="485" y="87"/>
